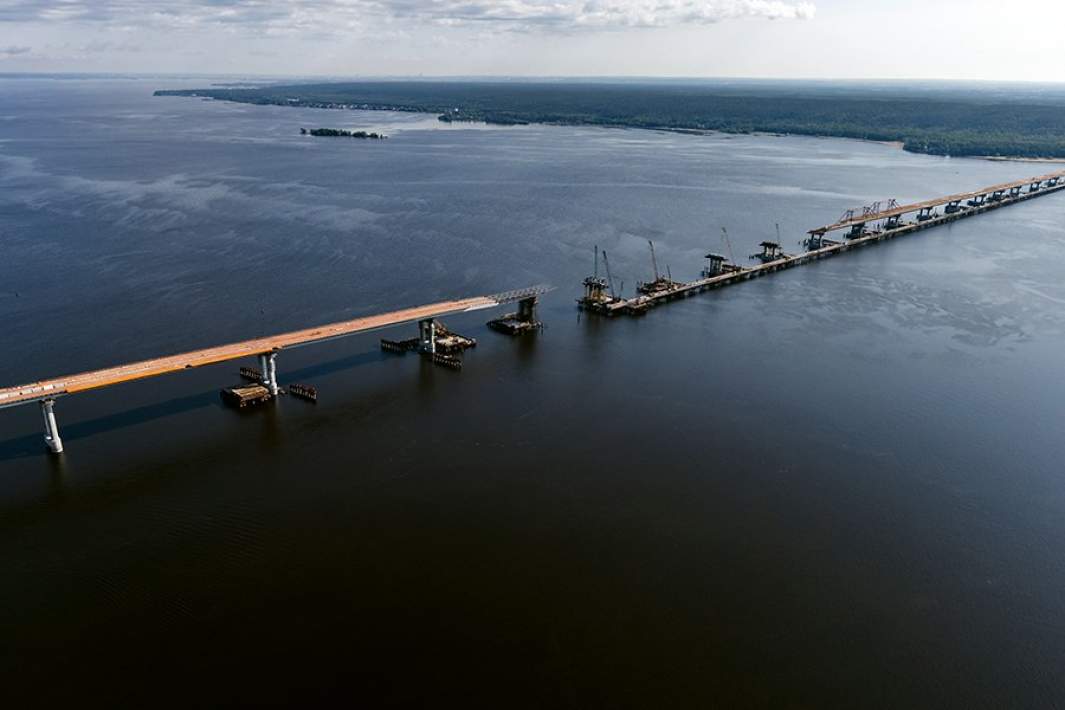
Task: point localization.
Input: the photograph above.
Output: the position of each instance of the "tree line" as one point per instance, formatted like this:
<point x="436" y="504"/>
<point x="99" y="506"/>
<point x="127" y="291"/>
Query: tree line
<point x="941" y="122"/>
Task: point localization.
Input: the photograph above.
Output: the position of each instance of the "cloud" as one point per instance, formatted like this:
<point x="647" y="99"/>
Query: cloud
<point x="295" y="15"/>
<point x="13" y="51"/>
<point x="593" y="13"/>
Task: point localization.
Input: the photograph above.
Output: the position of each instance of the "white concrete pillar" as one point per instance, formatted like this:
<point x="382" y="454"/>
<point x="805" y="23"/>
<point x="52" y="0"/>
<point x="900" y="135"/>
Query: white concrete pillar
<point x="272" y="377"/>
<point x="268" y="371"/>
<point x="51" y="429"/>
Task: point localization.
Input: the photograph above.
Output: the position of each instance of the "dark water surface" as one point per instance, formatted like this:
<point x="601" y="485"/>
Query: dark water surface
<point x="839" y="486"/>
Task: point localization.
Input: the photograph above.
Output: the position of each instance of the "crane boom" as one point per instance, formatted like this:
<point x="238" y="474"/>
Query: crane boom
<point x="728" y="245"/>
<point x="654" y="260"/>
<point x="609" y="278"/>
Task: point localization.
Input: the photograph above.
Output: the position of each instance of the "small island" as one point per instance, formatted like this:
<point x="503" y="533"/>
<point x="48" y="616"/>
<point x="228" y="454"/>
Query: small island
<point x="340" y="133"/>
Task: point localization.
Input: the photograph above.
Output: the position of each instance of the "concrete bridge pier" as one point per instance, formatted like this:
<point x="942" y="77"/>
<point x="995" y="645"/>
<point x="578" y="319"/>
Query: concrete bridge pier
<point x="715" y="264"/>
<point x="272" y="385"/>
<point x="268" y="368"/>
<point x="427" y="336"/>
<point x="527" y="310"/>
<point x="51" y="429"/>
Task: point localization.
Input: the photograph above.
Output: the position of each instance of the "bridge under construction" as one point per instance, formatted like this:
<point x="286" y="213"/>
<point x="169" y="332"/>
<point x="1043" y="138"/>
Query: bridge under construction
<point x="856" y="228"/>
<point x="861" y="227"/>
<point x="265" y="349"/>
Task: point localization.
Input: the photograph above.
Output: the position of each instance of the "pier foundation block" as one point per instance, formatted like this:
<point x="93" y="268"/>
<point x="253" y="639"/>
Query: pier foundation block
<point x="525" y="319"/>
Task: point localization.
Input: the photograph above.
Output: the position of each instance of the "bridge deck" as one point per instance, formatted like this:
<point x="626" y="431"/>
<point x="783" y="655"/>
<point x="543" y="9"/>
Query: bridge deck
<point x="906" y="209"/>
<point x="47" y="389"/>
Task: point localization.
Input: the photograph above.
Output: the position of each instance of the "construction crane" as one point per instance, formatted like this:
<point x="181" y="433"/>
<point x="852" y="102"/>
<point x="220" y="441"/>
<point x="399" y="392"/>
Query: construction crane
<point x="728" y="245"/>
<point x="654" y="260"/>
<point x="609" y="278"/>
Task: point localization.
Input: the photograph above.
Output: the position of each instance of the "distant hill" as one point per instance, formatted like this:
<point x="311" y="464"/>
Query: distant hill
<point x="1025" y="121"/>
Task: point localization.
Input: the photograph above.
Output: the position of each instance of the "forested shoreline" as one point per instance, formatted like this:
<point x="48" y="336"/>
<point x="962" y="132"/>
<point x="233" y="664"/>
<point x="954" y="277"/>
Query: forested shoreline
<point x="938" y="122"/>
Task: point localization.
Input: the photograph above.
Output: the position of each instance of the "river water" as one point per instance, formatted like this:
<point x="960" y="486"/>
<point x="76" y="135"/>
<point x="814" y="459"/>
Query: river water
<point x="842" y="485"/>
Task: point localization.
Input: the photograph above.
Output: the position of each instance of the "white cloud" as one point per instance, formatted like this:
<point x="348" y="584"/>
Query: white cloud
<point x="328" y="15"/>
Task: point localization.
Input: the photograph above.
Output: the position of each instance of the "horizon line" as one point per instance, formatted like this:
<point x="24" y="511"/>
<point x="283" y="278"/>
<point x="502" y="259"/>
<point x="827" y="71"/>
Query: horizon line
<point x="522" y="77"/>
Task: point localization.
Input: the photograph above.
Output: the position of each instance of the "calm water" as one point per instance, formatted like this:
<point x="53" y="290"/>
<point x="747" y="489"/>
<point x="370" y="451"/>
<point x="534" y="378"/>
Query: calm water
<point x="839" y="486"/>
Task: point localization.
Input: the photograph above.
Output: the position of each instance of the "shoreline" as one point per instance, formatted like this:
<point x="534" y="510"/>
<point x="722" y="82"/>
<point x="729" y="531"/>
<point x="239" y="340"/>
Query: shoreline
<point x="1008" y="159"/>
<point x="449" y="118"/>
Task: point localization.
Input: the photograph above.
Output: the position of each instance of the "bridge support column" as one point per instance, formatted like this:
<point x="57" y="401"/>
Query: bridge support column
<point x="714" y="266"/>
<point x="264" y="370"/>
<point x="268" y="368"/>
<point x="272" y="377"/>
<point x="51" y="429"/>
<point x="527" y="310"/>
<point x="427" y="336"/>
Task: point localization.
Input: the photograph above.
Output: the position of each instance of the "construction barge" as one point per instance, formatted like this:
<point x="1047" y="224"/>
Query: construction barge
<point x="245" y="396"/>
<point x="870" y="225"/>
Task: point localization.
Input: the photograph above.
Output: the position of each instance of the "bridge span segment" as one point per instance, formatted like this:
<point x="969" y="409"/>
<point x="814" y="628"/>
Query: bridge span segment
<point x="265" y="349"/>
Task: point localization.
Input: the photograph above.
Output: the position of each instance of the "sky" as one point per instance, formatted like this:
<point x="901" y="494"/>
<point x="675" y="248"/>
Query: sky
<point x="822" y="39"/>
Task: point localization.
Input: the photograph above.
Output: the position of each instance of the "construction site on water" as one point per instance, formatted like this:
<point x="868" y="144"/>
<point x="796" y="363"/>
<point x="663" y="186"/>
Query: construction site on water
<point x="441" y="346"/>
<point x="435" y="343"/>
<point x="862" y="227"/>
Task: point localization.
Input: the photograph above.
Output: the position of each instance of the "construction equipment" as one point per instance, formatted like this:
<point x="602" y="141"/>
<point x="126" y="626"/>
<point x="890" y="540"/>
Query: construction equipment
<point x="594" y="286"/>
<point x="661" y="283"/>
<point x="609" y="278"/>
<point x="771" y="251"/>
<point x="728" y="245"/>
